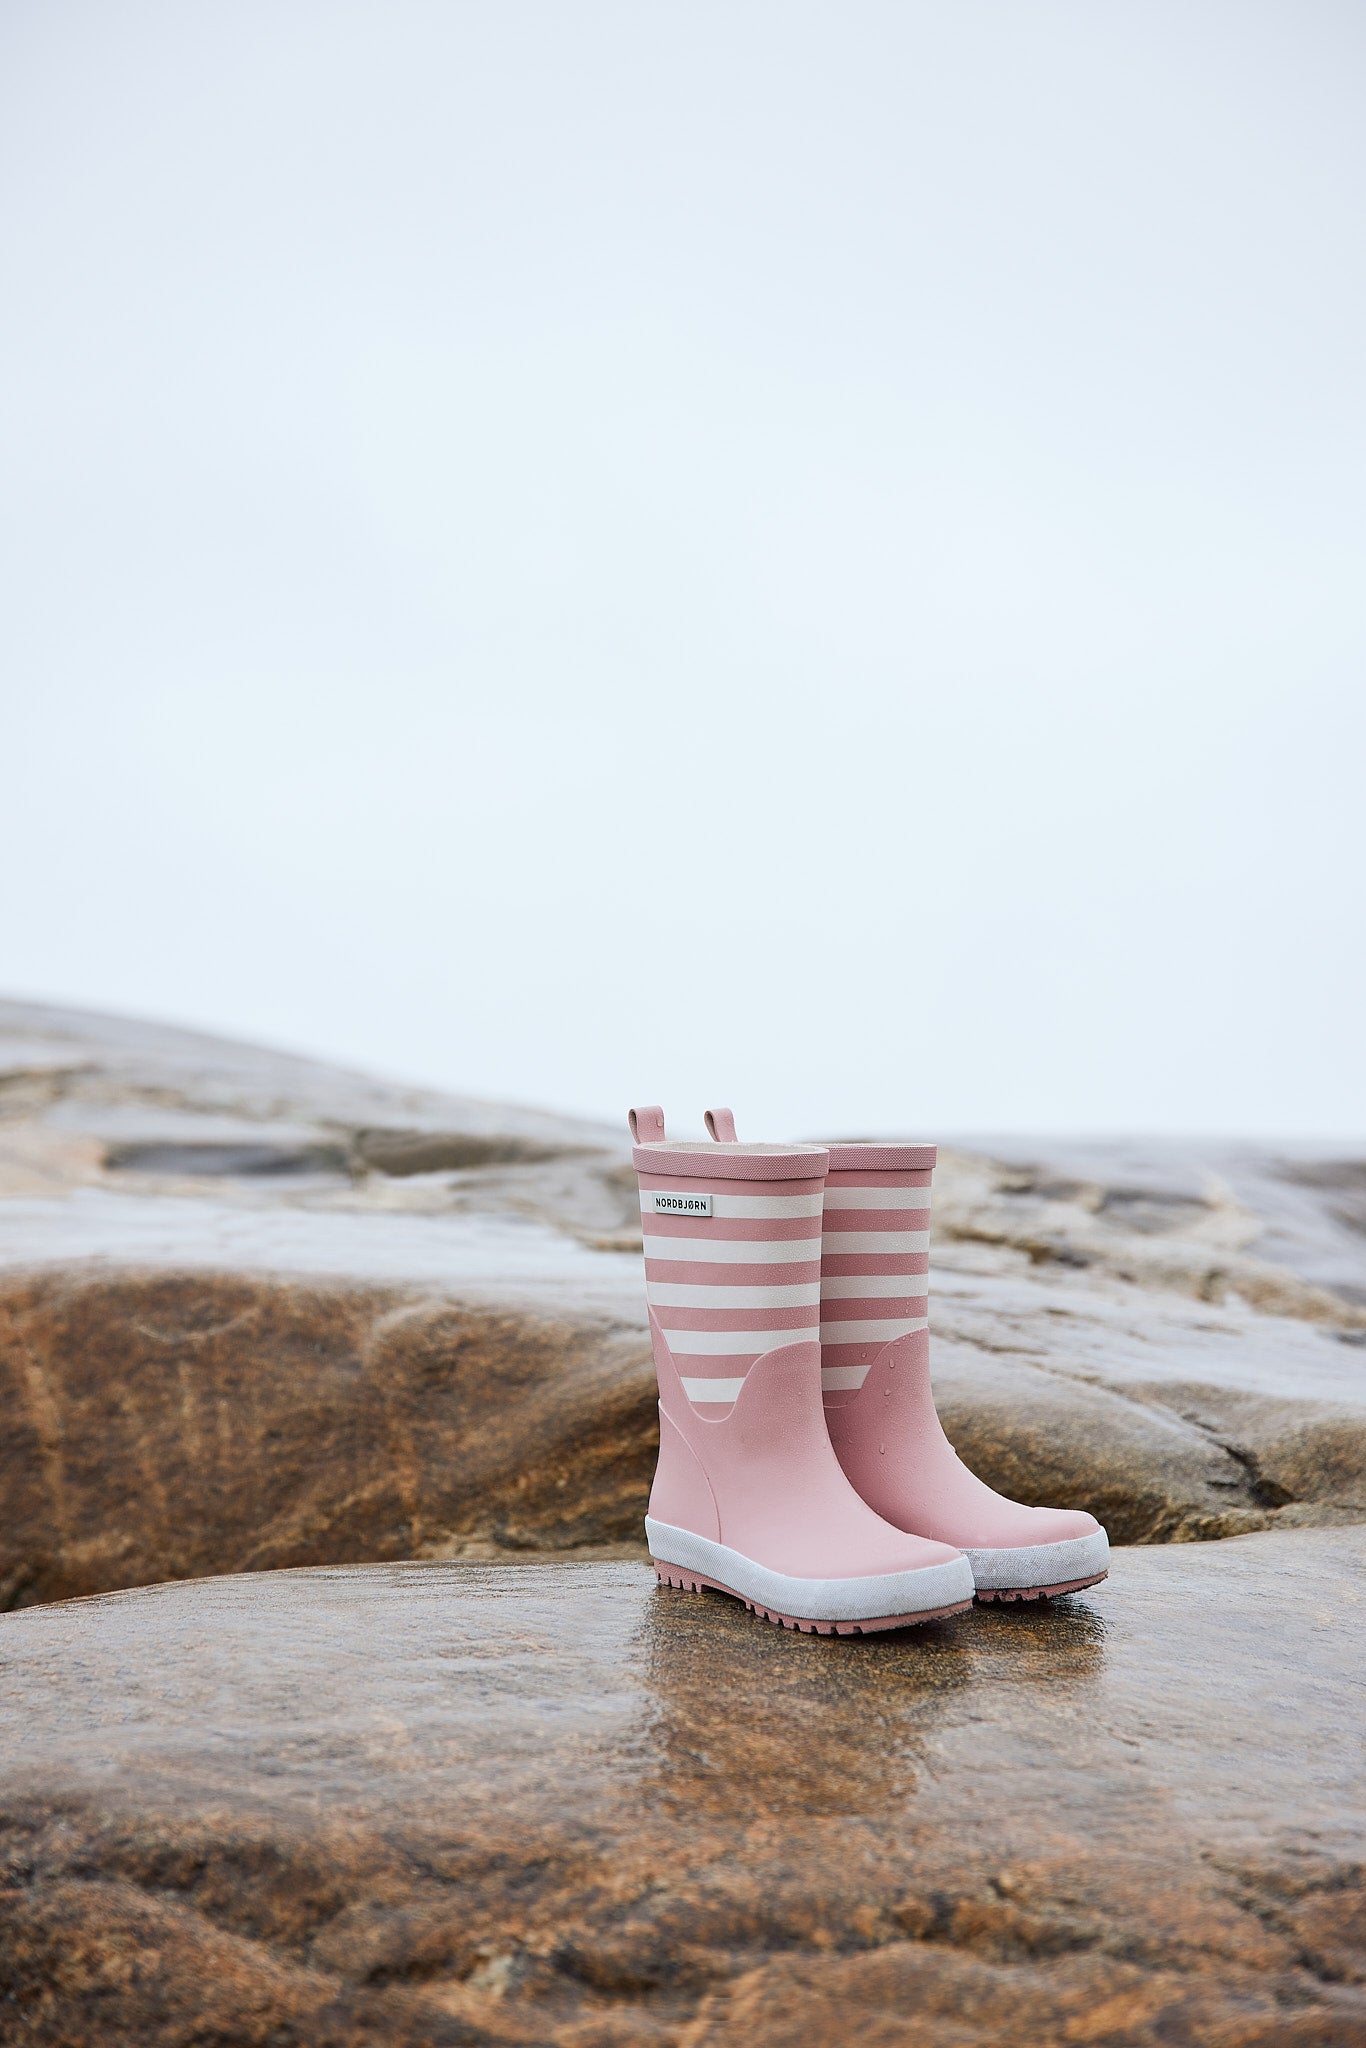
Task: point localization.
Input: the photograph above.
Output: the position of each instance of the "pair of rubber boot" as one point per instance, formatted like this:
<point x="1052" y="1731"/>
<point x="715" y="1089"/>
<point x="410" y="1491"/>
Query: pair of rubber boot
<point x="802" y="1464"/>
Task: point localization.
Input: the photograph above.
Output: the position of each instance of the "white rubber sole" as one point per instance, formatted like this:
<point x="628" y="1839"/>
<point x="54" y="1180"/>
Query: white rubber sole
<point x="1037" y="1568"/>
<point x="892" y="1599"/>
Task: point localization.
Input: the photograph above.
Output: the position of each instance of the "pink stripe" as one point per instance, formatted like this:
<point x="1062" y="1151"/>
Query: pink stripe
<point x="757" y="1319"/>
<point x="693" y="1273"/>
<point x="863" y="1179"/>
<point x="714" y="1368"/>
<point x="675" y="1184"/>
<point x="894" y="1221"/>
<point x="880" y="1308"/>
<point x="866" y="1158"/>
<point x="864" y="1354"/>
<point x="849" y="1354"/>
<point x="853" y="1265"/>
<point x="735" y="1229"/>
<point x="717" y="1366"/>
<point x="730" y="1163"/>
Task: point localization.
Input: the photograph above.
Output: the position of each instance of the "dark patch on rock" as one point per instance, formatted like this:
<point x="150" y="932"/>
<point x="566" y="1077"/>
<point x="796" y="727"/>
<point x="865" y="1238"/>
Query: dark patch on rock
<point x="224" y="1159"/>
<point x="407" y="1152"/>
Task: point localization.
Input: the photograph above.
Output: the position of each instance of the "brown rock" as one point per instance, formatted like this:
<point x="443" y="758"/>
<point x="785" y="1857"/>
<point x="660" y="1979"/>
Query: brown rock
<point x="551" y="1804"/>
<point x="1147" y="1473"/>
<point x="255" y="1311"/>
<point x="173" y="1425"/>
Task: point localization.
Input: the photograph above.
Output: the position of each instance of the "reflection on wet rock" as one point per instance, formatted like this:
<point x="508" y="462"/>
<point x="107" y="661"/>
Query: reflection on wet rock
<point x="747" y="1721"/>
<point x="553" y="1804"/>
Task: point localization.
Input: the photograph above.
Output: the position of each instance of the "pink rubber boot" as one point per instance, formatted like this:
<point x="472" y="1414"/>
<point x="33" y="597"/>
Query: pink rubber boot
<point x="748" y="1496"/>
<point x="875" y="1376"/>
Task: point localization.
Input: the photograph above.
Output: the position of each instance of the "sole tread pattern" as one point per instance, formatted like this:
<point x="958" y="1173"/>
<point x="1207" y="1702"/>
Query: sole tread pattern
<point x="694" y="1582"/>
<point x="1039" y="1592"/>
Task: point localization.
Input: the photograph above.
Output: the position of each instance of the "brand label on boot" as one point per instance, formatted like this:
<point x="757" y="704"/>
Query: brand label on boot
<point x="679" y="1205"/>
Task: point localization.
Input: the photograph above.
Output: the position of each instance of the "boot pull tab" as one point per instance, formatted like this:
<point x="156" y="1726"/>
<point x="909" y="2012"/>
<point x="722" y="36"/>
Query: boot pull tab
<point x="721" y="1126"/>
<point x="647" y="1125"/>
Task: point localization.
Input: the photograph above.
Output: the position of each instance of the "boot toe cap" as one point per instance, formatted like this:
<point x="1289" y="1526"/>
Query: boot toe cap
<point x="1058" y="1525"/>
<point x="926" y="1551"/>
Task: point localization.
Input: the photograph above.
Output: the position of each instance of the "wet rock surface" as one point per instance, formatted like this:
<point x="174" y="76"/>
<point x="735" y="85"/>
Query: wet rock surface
<point x="255" y="1311"/>
<point x="549" y="1803"/>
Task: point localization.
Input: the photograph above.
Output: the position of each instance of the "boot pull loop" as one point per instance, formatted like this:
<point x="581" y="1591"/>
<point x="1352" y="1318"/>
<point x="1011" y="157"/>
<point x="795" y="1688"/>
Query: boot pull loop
<point x="647" y="1125"/>
<point x="721" y="1126"/>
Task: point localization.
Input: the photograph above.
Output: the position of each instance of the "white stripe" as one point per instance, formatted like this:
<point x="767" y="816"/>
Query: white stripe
<point x="735" y="1343"/>
<point x="670" y="1294"/>
<point x="874" y="1286"/>
<point x="886" y="1243"/>
<point x="838" y="1379"/>
<point x="712" y="1390"/>
<point x="876" y="1198"/>
<point x="871" y="1333"/>
<point x="761" y="1206"/>
<point x="733" y="1251"/>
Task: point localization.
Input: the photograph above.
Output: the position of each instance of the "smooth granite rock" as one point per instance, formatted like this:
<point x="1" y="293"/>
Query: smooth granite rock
<point x="460" y="1804"/>
<point x="255" y="1311"/>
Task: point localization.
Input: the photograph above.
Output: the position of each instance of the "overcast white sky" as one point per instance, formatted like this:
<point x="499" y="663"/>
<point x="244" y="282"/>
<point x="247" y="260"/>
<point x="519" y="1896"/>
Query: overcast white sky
<point x="797" y="554"/>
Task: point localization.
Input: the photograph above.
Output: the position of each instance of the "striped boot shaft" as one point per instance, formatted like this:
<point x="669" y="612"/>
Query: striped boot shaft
<point x="875" y="1257"/>
<point x="732" y="1256"/>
